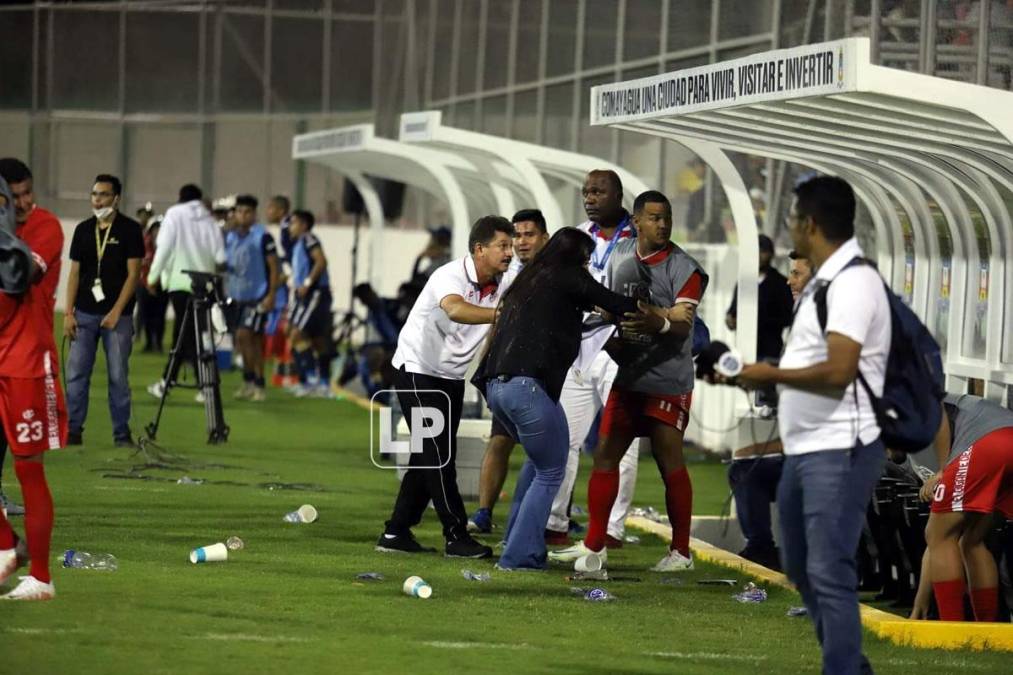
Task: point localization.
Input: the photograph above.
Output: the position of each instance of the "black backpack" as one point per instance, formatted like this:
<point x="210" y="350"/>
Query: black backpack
<point x="909" y="412"/>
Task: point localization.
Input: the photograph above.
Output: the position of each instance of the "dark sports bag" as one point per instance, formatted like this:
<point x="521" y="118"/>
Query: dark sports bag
<point x="909" y="412"/>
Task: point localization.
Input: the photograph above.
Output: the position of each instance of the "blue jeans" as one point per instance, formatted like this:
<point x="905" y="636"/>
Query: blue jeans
<point x="822" y="500"/>
<point x="117" y="343"/>
<point x="538" y="423"/>
<point x="754" y="485"/>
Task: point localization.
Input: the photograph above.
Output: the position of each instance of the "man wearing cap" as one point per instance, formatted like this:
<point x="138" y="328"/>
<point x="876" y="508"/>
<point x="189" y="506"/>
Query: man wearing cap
<point x="774" y="304"/>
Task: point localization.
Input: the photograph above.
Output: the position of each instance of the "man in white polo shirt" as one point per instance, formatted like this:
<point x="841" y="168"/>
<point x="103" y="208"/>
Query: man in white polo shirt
<point x="833" y="453"/>
<point x="444" y="331"/>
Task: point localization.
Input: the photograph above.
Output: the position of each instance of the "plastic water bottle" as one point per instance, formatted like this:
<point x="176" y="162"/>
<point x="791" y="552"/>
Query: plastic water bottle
<point x="87" y="561"/>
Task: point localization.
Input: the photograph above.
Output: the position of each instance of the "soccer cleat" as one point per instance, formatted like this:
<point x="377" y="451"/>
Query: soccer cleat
<point x="467" y="548"/>
<point x="258" y="395"/>
<point x="322" y="390"/>
<point x="199" y="397"/>
<point x="31" y="588"/>
<point x="9" y="507"/>
<point x="480" y="522"/>
<point x="401" y="543"/>
<point x="578" y="550"/>
<point x="674" y="562"/>
<point x="157" y="389"/>
<point x="75" y="438"/>
<point x="125" y="442"/>
<point x="244" y="392"/>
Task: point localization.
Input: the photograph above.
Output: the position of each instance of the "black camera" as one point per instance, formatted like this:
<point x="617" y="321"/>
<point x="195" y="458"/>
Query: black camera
<point x="208" y="286"/>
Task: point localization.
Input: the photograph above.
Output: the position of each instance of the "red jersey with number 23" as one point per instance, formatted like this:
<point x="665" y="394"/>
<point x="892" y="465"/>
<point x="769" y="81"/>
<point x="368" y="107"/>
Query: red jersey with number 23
<point x="27" y="346"/>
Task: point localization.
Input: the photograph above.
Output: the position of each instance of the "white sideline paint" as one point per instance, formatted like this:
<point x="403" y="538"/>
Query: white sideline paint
<point x="112" y="488"/>
<point x="246" y="637"/>
<point x="474" y="645"/>
<point x="39" y="631"/>
<point x="707" y="656"/>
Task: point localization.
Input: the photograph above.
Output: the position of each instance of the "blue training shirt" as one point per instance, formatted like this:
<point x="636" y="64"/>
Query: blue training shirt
<point x="248" y="274"/>
<point x="302" y="262"/>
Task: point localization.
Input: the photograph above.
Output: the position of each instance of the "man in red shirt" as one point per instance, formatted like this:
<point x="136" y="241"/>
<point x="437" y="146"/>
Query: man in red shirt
<point x="32" y="408"/>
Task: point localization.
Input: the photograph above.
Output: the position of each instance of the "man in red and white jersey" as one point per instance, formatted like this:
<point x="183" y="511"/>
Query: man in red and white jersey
<point x="32" y="408"/>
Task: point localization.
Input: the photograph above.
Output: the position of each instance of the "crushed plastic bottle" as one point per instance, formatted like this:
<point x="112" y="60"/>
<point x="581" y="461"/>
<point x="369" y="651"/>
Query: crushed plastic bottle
<point x="797" y="611"/>
<point x="599" y="595"/>
<point x="671" y="581"/>
<point x="234" y="543"/>
<point x="369" y="576"/>
<point x="186" y="480"/>
<point x="752" y="593"/>
<point x="475" y="576"/>
<point x="105" y="562"/>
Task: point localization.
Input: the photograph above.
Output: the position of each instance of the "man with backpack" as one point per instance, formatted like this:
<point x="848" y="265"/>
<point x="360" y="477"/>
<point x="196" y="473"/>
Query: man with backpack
<point x="831" y="379"/>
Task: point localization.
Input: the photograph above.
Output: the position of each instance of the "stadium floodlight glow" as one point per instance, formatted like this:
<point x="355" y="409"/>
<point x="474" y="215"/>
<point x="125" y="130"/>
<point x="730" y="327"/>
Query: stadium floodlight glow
<point x="529" y="163"/>
<point x="902" y="139"/>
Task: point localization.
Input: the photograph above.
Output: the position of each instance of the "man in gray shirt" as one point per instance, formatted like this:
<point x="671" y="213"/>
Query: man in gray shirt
<point x="974" y="446"/>
<point x="653" y="388"/>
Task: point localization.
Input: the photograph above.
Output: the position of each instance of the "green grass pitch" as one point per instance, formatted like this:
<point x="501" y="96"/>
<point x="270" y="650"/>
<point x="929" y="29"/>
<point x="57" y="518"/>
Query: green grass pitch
<point x="289" y="602"/>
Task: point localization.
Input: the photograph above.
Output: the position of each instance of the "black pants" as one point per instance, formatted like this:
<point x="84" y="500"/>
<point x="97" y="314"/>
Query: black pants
<point x="151" y="309"/>
<point x="188" y="348"/>
<point x="439" y="485"/>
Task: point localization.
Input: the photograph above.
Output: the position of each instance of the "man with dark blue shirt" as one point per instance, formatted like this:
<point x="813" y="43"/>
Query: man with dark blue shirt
<point x="310" y="318"/>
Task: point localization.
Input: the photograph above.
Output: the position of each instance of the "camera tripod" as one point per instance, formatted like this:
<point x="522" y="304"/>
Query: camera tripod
<point x="198" y="313"/>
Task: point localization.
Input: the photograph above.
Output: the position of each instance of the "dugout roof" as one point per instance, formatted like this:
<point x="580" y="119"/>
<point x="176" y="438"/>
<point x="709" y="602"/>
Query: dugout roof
<point x="356" y="152"/>
<point x="930" y="159"/>
<point x="530" y="163"/>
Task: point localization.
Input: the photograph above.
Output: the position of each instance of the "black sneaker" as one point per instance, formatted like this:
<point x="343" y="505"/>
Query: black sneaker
<point x="74" y="438"/>
<point x="467" y="548"/>
<point x="125" y="442"/>
<point x="401" y="543"/>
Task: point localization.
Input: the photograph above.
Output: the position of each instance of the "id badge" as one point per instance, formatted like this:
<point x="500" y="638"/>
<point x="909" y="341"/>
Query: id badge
<point x="96" y="291"/>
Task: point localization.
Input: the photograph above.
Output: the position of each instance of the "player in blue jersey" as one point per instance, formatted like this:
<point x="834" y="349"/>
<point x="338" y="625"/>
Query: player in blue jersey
<point x="310" y="319"/>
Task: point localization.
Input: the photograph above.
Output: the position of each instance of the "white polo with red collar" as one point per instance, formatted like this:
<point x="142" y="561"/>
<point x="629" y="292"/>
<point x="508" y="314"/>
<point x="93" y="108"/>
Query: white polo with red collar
<point x="430" y="343"/>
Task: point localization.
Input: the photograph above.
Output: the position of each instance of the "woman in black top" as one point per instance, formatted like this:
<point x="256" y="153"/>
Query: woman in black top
<point x="535" y="340"/>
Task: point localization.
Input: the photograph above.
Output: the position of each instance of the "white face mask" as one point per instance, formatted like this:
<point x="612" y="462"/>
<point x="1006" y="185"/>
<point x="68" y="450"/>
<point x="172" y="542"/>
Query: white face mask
<point x="103" y="213"/>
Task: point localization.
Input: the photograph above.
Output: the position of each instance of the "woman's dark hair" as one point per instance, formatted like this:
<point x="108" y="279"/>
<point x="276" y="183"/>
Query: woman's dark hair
<point x="568" y="248"/>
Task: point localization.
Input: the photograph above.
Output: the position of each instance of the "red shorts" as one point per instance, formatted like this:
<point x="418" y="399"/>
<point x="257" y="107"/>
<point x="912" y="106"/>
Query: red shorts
<point x="980" y="479"/>
<point x="631" y="412"/>
<point x="34" y="414"/>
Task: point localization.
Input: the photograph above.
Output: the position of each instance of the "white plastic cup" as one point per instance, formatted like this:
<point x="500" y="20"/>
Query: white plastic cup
<point x="588" y="563"/>
<point x="214" y="553"/>
<point x="307" y="513"/>
<point x="416" y="587"/>
<point x="304" y="514"/>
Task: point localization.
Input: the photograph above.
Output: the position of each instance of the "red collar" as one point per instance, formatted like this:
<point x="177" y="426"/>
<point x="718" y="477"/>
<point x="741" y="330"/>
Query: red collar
<point x="658" y="256"/>
<point x="488" y="289"/>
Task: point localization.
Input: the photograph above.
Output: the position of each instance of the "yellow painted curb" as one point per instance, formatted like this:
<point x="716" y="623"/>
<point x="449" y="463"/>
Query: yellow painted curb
<point x="351" y="396"/>
<point x="923" y="634"/>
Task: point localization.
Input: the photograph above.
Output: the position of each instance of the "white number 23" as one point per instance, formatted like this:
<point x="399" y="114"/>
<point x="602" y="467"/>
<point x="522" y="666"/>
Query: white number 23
<point x="29" y="431"/>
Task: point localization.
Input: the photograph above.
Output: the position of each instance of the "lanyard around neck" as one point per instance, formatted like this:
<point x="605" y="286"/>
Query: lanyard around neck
<point x="100" y="246"/>
<point x="599" y="263"/>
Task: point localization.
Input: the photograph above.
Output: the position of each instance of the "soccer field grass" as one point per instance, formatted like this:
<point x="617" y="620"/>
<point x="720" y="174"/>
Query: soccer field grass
<point x="289" y="602"/>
